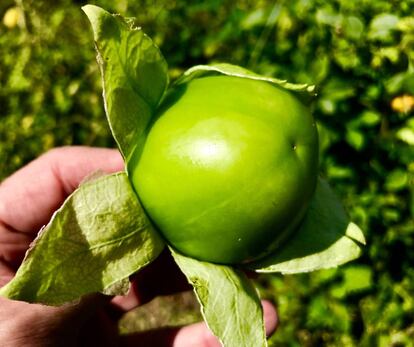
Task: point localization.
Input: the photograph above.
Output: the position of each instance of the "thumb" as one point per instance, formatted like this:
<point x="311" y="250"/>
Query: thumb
<point x="29" y="197"/>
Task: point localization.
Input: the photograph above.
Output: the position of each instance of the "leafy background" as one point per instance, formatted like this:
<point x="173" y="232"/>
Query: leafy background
<point x="359" y="53"/>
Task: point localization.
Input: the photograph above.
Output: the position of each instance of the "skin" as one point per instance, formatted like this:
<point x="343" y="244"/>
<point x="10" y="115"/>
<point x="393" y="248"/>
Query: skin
<point x="228" y="168"/>
<point x="27" y="200"/>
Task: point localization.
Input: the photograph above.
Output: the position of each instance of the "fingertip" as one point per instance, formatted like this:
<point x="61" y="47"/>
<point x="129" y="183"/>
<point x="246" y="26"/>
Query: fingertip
<point x="271" y="318"/>
<point x="125" y="303"/>
<point x="195" y="335"/>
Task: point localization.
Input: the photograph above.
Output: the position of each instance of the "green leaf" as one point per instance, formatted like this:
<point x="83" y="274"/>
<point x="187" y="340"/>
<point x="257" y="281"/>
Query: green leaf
<point x="134" y="75"/>
<point x="406" y="24"/>
<point x="369" y="118"/>
<point x="406" y="135"/>
<point x="198" y="71"/>
<point x="353" y="27"/>
<point x="355" y="138"/>
<point x="325" y="239"/>
<point x="396" y="180"/>
<point x="325" y="313"/>
<point x="328" y="16"/>
<point x="255" y="18"/>
<point x="339" y="172"/>
<point x="98" y="238"/>
<point x="381" y="27"/>
<point x="356" y="279"/>
<point x="229" y="302"/>
<point x="338" y="90"/>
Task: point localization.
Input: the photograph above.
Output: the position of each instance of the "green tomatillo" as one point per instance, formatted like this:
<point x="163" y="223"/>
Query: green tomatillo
<point x="228" y="168"/>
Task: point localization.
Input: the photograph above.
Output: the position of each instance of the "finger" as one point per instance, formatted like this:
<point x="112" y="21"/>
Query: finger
<point x="270" y="316"/>
<point x="194" y="335"/>
<point x="30" y="196"/>
<point x="161" y="277"/>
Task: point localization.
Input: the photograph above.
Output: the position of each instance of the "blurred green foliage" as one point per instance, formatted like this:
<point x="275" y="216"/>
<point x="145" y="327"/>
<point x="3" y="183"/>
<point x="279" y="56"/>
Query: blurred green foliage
<point x="360" y="54"/>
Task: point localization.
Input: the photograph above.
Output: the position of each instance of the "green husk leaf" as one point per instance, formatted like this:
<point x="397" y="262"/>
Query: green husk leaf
<point x="93" y="243"/>
<point x="134" y="75"/>
<point x="306" y="91"/>
<point x="326" y="238"/>
<point x="229" y="302"/>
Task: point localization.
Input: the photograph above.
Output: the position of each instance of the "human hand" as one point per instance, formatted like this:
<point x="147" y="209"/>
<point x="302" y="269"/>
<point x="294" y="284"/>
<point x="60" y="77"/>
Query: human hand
<point x="28" y="199"/>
